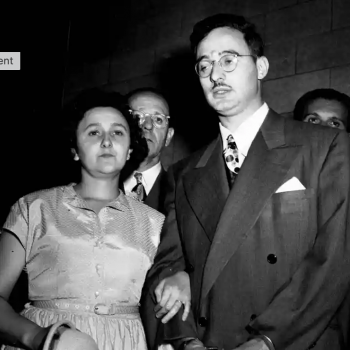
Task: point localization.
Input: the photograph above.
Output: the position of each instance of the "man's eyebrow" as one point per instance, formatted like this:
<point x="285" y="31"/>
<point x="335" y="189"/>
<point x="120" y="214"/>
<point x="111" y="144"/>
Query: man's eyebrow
<point x="201" y="58"/>
<point x="232" y="52"/>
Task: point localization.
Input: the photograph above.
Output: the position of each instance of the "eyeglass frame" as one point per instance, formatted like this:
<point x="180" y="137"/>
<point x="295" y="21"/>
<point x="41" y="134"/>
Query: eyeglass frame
<point x="212" y="62"/>
<point x="144" y="115"/>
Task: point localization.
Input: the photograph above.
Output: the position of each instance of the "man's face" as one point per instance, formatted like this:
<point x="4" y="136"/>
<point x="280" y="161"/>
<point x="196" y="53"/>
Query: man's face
<point x="157" y="138"/>
<point x="230" y="93"/>
<point x="329" y="113"/>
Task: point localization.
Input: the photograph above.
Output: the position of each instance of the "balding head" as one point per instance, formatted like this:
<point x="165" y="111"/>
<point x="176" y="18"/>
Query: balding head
<point x="152" y="103"/>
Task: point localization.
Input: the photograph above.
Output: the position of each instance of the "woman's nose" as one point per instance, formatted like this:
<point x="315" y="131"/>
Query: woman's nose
<point x="106" y="142"/>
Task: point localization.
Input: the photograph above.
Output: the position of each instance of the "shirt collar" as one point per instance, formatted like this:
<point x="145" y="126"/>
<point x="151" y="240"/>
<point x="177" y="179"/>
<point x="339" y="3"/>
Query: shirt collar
<point x="149" y="176"/>
<point x="246" y="132"/>
<point x="71" y="197"/>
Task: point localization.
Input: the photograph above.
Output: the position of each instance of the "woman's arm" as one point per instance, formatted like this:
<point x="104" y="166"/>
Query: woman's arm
<point x="15" y="329"/>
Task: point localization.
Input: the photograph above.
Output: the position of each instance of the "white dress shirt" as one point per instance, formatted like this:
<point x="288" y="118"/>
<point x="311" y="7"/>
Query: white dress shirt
<point x="245" y="133"/>
<point x="149" y="177"/>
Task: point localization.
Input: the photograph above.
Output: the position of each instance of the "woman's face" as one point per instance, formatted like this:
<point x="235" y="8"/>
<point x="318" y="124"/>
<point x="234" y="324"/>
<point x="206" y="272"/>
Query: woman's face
<point x="103" y="142"/>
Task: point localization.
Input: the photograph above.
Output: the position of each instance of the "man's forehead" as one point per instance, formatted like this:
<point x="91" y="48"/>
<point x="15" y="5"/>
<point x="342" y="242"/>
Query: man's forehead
<point x="332" y="107"/>
<point x="321" y="103"/>
<point x="220" y="40"/>
<point x="146" y="100"/>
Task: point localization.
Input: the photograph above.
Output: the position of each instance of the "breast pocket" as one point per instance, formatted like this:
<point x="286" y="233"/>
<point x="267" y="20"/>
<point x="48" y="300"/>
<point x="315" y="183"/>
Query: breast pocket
<point x="291" y="202"/>
<point x="284" y="224"/>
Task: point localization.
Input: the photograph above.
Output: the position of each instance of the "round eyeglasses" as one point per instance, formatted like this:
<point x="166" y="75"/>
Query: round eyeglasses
<point x="159" y="121"/>
<point x="227" y="62"/>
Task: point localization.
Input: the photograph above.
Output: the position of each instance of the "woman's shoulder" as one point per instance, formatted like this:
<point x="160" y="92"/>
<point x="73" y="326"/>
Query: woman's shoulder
<point x="46" y="195"/>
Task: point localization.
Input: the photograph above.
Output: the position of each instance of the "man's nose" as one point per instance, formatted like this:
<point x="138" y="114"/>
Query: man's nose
<point x="217" y="73"/>
<point x="148" y="124"/>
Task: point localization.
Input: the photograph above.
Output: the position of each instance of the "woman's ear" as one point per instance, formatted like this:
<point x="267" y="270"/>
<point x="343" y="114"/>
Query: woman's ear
<point x="75" y="154"/>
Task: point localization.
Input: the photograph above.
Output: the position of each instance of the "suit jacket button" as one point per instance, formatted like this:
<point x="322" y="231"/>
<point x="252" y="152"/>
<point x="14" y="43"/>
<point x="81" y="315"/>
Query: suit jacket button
<point x="252" y="317"/>
<point x="272" y="258"/>
<point x="203" y="321"/>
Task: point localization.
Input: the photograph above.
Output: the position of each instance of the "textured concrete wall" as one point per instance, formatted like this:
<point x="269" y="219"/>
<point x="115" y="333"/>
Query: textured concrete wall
<point x="145" y="43"/>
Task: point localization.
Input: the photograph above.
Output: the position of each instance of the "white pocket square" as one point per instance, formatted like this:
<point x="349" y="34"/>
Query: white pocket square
<point x="291" y="185"/>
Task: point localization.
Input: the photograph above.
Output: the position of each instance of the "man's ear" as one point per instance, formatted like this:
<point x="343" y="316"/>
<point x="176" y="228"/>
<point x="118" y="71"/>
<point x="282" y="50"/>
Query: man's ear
<point x="169" y="136"/>
<point x="129" y="153"/>
<point x="75" y="154"/>
<point x="262" y="65"/>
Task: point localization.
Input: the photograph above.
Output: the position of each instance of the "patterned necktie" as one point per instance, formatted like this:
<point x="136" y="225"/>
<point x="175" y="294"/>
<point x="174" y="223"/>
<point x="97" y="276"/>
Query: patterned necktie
<point x="139" y="191"/>
<point x="232" y="158"/>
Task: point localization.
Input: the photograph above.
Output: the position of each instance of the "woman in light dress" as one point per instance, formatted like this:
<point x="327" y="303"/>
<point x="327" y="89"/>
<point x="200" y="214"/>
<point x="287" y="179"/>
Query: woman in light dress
<point x="86" y="247"/>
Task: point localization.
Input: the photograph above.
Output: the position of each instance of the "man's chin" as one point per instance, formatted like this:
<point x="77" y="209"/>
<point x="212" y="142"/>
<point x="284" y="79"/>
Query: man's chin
<point x="226" y="109"/>
<point x="151" y="148"/>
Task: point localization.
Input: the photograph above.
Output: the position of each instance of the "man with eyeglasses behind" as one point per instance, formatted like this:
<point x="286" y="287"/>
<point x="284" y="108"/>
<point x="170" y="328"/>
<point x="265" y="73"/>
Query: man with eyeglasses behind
<point x="151" y="109"/>
<point x="147" y="184"/>
<point x="259" y="218"/>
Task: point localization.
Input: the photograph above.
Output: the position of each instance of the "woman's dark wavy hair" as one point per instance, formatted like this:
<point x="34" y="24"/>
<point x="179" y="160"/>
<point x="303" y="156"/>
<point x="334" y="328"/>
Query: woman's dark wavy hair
<point x="251" y="37"/>
<point x="92" y="98"/>
<point x="326" y="94"/>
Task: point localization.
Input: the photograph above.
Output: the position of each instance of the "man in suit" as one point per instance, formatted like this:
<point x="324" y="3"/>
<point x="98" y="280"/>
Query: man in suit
<point x="147" y="181"/>
<point x="260" y="217"/>
<point x="326" y="107"/>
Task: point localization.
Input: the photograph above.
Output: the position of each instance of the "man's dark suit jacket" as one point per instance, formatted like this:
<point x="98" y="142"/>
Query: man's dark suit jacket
<point x="261" y="260"/>
<point x="156" y="197"/>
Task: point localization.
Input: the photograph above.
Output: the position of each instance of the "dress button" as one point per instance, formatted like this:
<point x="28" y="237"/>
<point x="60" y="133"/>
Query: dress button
<point x="252" y="317"/>
<point x="203" y="321"/>
<point x="97" y="294"/>
<point x="272" y="258"/>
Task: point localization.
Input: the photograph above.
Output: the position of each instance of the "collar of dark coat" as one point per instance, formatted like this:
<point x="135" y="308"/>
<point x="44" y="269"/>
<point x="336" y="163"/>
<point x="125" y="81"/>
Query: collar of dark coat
<point x="273" y="132"/>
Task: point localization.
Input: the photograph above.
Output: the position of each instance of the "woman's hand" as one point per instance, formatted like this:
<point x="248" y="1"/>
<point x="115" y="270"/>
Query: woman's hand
<point x="63" y="335"/>
<point x="171" y="293"/>
<point x="40" y="338"/>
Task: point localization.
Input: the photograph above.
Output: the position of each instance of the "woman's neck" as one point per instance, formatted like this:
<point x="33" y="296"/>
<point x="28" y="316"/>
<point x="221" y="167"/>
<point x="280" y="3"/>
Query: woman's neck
<point x="98" y="189"/>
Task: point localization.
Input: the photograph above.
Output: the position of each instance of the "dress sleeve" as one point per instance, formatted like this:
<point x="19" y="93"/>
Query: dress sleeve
<point x="17" y="222"/>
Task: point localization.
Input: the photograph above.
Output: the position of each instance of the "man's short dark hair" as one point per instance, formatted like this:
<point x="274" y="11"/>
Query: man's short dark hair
<point x="326" y="94"/>
<point x="251" y="37"/>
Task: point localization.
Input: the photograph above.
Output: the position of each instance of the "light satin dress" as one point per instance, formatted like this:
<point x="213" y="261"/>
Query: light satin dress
<point x="85" y="267"/>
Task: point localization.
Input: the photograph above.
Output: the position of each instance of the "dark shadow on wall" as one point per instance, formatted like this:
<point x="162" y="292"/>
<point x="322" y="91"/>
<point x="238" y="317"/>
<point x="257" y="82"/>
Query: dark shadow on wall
<point x="194" y="120"/>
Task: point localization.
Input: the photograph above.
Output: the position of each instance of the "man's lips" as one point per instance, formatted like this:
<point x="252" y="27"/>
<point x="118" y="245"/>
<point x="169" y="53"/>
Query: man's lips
<point x="221" y="89"/>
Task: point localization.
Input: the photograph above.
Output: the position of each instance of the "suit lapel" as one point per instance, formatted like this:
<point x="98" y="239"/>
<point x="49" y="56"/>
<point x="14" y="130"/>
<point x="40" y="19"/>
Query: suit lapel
<point x="263" y="171"/>
<point x="206" y="187"/>
<point x="153" y="198"/>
